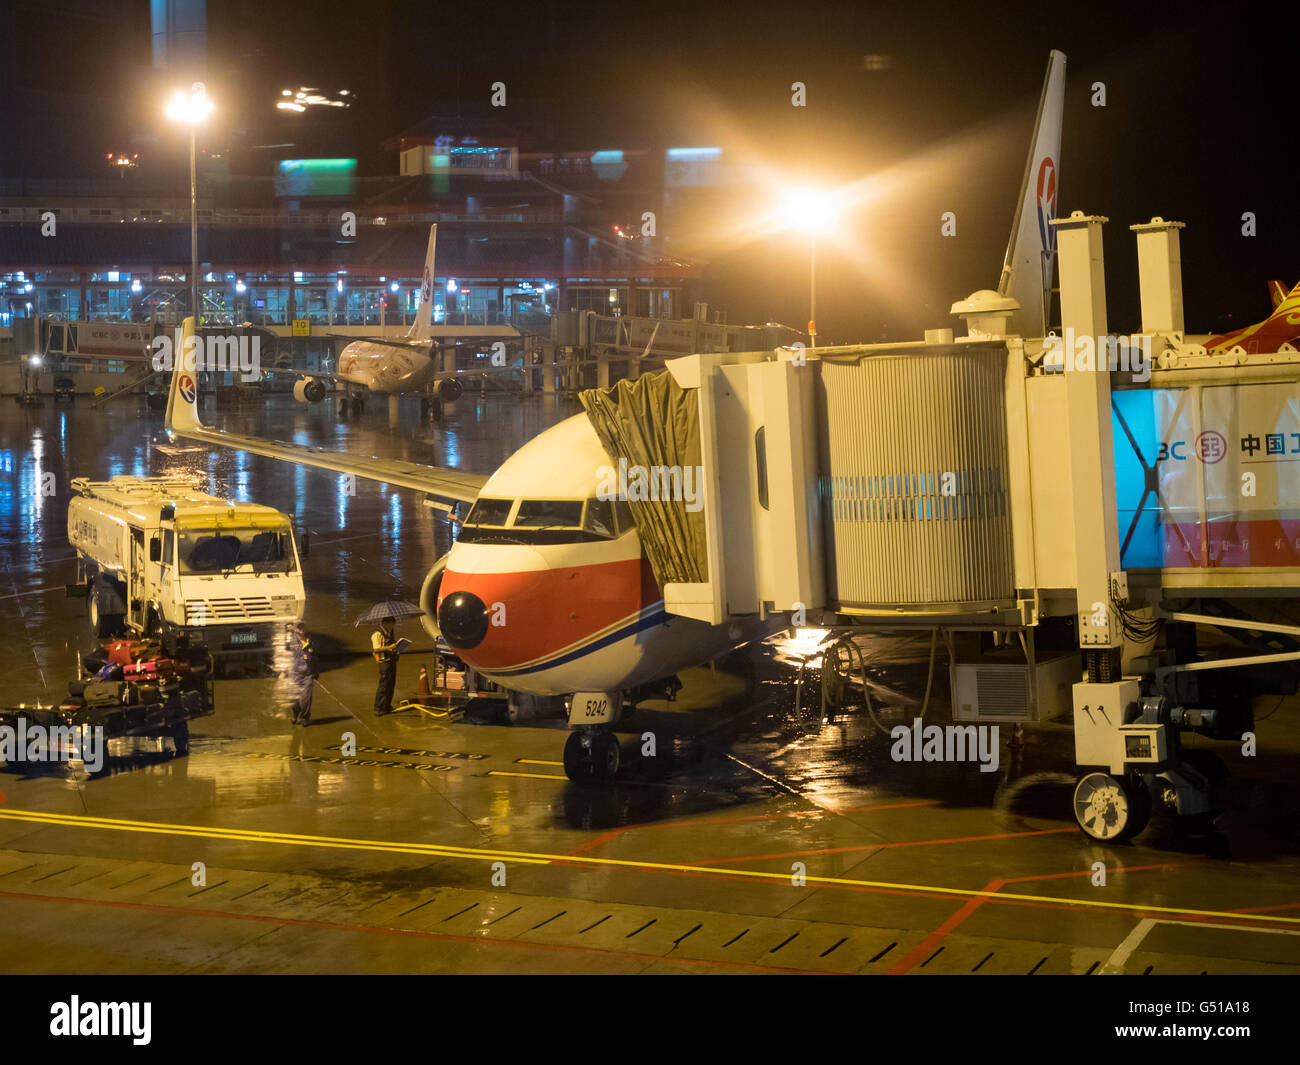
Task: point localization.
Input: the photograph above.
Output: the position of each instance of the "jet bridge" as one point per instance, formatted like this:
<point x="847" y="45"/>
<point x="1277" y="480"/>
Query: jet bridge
<point x="1047" y="504"/>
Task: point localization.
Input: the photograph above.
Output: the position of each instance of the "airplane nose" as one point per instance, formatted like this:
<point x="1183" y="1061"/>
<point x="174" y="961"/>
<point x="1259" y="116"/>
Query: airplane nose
<point x="463" y="619"/>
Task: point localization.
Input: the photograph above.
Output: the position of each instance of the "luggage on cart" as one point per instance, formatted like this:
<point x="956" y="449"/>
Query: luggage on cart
<point x="102" y="693"/>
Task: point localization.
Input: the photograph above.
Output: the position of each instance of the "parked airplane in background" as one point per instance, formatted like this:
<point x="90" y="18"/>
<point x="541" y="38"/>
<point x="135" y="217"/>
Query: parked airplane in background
<point x="394" y="366"/>
<point x="1280" y="327"/>
<point x="547" y="590"/>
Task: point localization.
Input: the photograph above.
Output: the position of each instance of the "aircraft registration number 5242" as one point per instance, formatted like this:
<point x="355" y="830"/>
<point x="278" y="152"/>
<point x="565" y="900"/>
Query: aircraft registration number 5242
<point x="594" y="708"/>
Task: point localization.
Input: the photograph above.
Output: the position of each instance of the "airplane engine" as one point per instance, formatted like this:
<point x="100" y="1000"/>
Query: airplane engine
<point x="450" y="390"/>
<point x="309" y="390"/>
<point x="429" y="598"/>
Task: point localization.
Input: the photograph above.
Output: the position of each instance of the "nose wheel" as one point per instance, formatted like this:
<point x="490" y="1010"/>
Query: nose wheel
<point x="1110" y="808"/>
<point x="592" y="757"/>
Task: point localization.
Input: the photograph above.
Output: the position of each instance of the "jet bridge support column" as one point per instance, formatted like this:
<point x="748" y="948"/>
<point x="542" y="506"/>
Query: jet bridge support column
<point x="1110" y="803"/>
<point x="1091" y="459"/>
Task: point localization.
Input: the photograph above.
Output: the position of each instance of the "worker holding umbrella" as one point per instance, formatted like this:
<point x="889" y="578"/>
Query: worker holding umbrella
<point x="386" y="647"/>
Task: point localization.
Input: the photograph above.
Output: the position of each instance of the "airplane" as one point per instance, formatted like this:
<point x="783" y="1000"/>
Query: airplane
<point x="1280" y="327"/>
<point x="392" y="366"/>
<point x="547" y="590"/>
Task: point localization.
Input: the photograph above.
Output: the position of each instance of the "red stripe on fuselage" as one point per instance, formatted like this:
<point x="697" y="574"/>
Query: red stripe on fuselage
<point x="545" y="611"/>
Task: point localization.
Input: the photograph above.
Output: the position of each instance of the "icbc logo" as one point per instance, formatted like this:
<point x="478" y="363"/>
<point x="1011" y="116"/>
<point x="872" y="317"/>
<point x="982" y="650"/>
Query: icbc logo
<point x="1211" y="447"/>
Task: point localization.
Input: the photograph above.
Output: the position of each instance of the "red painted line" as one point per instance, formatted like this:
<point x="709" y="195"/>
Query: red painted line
<point x="613" y="833"/>
<point x="336" y="926"/>
<point x="931" y="943"/>
<point x="880" y="846"/>
<point x="1266" y="909"/>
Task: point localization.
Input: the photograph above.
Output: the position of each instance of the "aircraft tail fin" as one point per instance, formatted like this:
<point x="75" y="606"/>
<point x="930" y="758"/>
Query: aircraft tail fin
<point x="1277" y="293"/>
<point x="422" y="327"/>
<point x="1031" y="252"/>
<point x="183" y="395"/>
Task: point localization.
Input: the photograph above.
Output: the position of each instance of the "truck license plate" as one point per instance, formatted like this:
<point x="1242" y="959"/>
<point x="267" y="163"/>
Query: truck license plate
<point x="243" y="637"/>
<point x="594" y="708"/>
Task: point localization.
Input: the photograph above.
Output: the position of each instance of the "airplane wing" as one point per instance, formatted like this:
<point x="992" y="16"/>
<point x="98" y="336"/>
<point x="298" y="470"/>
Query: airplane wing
<point x="445" y="487"/>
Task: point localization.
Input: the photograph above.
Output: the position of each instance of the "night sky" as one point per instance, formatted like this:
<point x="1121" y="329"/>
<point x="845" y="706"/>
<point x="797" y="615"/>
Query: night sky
<point x="1195" y="125"/>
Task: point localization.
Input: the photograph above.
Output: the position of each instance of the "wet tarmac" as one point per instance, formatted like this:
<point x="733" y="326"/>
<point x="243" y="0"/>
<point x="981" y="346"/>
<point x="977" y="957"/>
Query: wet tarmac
<point x="759" y="837"/>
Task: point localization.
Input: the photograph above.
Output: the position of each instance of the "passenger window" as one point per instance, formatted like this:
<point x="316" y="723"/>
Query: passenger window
<point x="599" y="519"/>
<point x="549" y="514"/>
<point x="490" y="512"/>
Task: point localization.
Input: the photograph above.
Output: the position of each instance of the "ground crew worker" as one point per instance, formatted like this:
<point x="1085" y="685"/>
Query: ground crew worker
<point x="303" y="673"/>
<point x="383" y="645"/>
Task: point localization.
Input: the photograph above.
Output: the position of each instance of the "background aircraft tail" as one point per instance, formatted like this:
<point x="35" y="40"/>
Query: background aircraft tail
<point x="1276" y="293"/>
<point x="422" y="327"/>
<point x="183" y="394"/>
<point x="1031" y="252"/>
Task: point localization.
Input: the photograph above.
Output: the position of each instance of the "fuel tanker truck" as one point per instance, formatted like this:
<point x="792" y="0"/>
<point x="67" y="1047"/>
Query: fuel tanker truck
<point x="158" y="557"/>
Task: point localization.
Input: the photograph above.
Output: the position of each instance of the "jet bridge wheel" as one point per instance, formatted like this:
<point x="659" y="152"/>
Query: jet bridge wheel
<point x="1110" y="808"/>
<point x="592" y="756"/>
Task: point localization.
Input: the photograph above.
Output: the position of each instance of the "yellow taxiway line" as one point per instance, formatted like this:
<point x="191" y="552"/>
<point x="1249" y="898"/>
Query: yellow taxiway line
<point x="533" y="776"/>
<point x="538" y="858"/>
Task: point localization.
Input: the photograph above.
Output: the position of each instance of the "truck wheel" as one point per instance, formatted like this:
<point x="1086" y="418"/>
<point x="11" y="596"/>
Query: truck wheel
<point x="1112" y="809"/>
<point x="102" y="625"/>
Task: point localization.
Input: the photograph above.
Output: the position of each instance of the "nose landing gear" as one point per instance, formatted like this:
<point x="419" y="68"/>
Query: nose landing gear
<point x="592" y="756"/>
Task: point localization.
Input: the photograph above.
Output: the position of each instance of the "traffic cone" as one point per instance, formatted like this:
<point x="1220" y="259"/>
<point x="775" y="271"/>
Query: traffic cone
<point x="422" y="693"/>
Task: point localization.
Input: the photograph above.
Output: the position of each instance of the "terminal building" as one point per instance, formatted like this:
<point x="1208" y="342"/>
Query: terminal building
<point x="522" y="234"/>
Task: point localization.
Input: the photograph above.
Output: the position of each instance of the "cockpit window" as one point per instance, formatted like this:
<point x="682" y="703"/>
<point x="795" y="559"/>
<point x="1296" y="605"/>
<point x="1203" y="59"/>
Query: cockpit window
<point x="599" y="518"/>
<point x="490" y="512"/>
<point x="549" y="514"/>
<point x="543" y="521"/>
<point x="624" y="514"/>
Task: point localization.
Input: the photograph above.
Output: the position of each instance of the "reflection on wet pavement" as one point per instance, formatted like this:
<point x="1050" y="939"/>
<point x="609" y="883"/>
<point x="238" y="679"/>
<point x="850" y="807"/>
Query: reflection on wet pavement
<point x="371" y="822"/>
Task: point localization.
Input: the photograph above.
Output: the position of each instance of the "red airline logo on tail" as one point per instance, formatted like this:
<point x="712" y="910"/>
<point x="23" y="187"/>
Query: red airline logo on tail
<point x="1047" y="202"/>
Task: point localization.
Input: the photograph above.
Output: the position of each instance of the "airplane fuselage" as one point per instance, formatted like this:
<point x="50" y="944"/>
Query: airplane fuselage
<point x="550" y="608"/>
<point x="392" y="368"/>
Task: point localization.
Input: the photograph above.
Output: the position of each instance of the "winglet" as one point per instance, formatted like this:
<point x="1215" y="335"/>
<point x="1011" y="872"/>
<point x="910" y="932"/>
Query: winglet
<point x="1031" y="251"/>
<point x="183" y="395"/>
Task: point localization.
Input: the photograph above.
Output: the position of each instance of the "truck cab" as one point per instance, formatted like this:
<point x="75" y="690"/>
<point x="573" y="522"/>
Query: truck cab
<point x="159" y="557"/>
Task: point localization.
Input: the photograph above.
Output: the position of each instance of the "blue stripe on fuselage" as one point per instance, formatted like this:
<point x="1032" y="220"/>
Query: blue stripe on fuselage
<point x="631" y="629"/>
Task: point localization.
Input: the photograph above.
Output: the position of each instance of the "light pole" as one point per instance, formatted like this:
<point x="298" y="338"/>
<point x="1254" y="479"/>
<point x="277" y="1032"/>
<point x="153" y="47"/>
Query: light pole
<point x="812" y="211"/>
<point x="192" y="109"/>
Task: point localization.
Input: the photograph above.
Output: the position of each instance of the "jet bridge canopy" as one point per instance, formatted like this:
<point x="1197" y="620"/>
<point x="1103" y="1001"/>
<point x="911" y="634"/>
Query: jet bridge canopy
<point x="651" y="426"/>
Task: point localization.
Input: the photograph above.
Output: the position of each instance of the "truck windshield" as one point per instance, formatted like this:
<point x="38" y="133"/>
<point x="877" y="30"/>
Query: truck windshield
<point x="225" y="549"/>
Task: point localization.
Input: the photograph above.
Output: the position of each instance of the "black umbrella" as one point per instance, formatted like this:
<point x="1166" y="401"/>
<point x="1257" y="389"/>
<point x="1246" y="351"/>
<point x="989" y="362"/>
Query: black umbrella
<point x="392" y="608"/>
